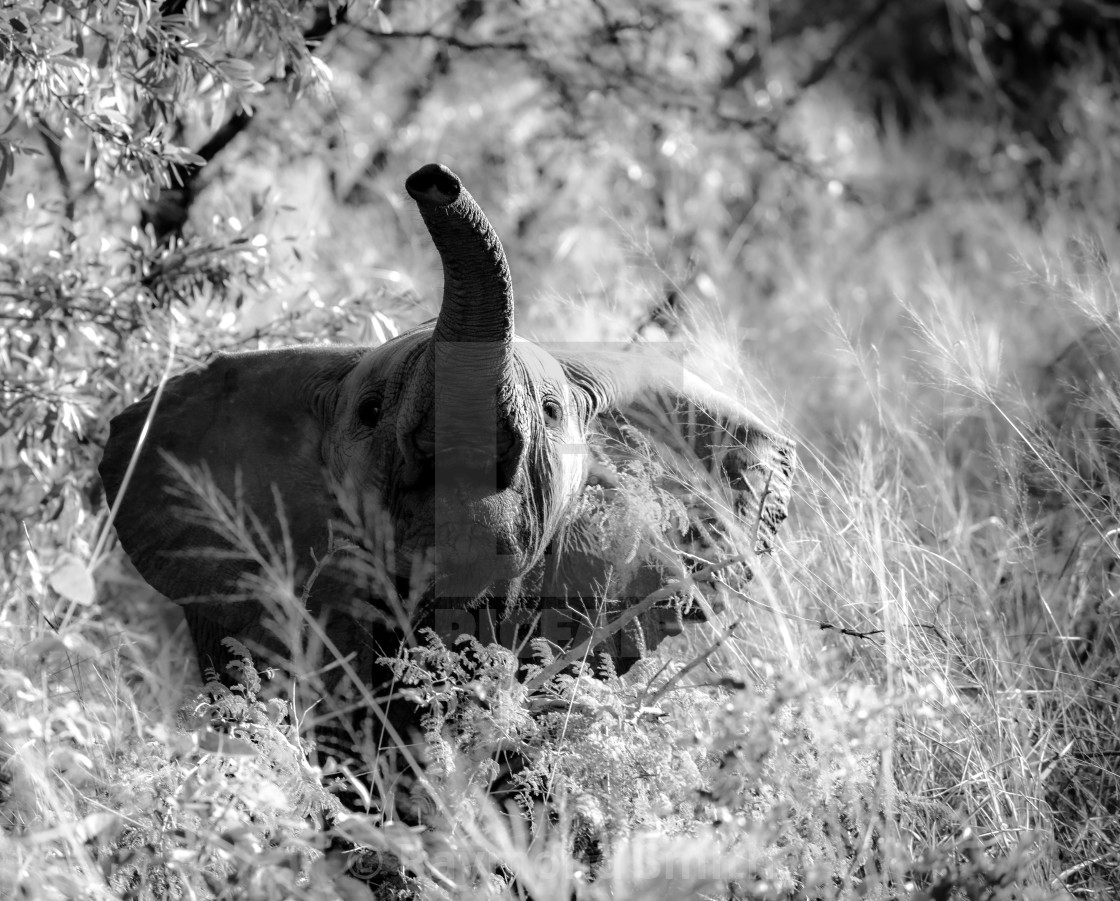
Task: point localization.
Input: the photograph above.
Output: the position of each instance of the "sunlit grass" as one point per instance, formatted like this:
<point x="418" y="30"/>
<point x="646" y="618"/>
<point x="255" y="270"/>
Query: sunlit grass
<point x="918" y="685"/>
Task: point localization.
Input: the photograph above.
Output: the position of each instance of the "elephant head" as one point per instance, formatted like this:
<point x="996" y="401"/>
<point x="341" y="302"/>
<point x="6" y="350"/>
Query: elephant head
<point x="463" y="447"/>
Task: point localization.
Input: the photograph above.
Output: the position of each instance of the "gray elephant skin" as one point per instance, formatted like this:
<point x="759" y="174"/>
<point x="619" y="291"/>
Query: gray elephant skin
<point x="461" y="450"/>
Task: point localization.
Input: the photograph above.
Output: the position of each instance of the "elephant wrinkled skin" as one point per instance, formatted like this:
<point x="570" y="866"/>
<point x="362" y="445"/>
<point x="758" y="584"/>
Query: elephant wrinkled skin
<point x="464" y="450"/>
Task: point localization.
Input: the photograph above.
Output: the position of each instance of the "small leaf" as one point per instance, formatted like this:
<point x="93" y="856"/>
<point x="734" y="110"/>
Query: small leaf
<point x="73" y="765"/>
<point x="98" y="825"/>
<point x="322" y="70"/>
<point x="71" y="579"/>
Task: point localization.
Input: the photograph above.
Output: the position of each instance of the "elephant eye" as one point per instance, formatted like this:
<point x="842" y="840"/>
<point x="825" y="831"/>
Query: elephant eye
<point x="553" y="412"/>
<point x="369" y="411"/>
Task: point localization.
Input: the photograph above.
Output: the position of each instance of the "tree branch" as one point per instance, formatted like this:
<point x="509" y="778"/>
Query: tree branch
<point x="420" y="88"/>
<point x="448" y="39"/>
<point x="170" y="213"/>
<point x="825" y="65"/>
<point x="54" y="151"/>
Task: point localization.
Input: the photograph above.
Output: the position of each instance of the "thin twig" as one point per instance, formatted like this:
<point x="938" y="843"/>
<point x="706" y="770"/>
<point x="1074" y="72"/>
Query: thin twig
<point x="601" y="633"/>
<point x="54" y="151"/>
<point x="695" y="662"/>
<point x="825" y="627"/>
<point x="825" y="65"/>
<point x="103" y="538"/>
<point x="449" y="39"/>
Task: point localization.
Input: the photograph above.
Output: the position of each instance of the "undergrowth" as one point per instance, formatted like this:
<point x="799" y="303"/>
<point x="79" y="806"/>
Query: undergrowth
<point x="914" y="697"/>
<point x="864" y="719"/>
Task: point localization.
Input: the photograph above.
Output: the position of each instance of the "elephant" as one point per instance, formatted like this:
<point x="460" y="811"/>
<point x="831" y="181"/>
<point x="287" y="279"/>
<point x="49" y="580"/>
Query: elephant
<point x="466" y="453"/>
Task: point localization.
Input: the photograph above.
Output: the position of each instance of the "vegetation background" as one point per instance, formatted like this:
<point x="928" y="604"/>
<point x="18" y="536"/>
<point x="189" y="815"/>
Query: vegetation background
<point x="881" y="221"/>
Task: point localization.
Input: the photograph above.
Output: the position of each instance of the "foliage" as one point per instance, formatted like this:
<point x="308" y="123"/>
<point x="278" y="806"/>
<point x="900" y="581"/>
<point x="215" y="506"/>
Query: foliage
<point x="631" y="514"/>
<point x="116" y="75"/>
<point x="1032" y="74"/>
<point x="887" y="219"/>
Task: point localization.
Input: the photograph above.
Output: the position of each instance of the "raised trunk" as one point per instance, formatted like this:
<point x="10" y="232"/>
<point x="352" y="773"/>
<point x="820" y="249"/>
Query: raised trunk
<point x="477" y="290"/>
<point x="467" y="372"/>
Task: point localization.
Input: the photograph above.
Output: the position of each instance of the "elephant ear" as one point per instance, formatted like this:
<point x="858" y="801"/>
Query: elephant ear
<point x="252" y="424"/>
<point x="672" y="457"/>
<point x="640" y="396"/>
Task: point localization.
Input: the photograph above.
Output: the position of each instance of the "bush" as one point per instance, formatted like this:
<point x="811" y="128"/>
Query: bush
<point x="888" y="221"/>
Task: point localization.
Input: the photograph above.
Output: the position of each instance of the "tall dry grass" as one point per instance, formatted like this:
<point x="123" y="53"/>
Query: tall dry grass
<point x="917" y="690"/>
<point x="916" y="693"/>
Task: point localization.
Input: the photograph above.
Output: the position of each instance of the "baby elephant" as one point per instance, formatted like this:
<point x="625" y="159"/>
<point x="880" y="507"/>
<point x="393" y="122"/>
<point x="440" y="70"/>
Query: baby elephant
<point x="444" y="478"/>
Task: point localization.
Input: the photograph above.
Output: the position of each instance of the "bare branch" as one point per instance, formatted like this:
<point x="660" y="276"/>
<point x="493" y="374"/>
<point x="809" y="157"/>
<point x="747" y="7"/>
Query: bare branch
<point x="450" y="40"/>
<point x="823" y="66"/>
<point x="169" y="214"/>
<point x="54" y="151"/>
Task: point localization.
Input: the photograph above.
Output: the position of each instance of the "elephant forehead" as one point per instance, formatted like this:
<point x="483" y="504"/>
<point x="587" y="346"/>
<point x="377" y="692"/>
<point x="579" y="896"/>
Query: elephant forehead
<point x="539" y="364"/>
<point x="391" y="358"/>
<point x="380" y="362"/>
